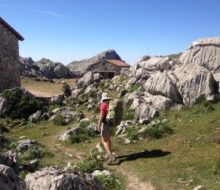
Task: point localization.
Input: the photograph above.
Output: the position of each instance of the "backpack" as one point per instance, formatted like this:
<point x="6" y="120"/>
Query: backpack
<point x="115" y="113"/>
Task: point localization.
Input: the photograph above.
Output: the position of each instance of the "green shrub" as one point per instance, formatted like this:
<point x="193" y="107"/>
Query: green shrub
<point x="83" y="135"/>
<point x="59" y="120"/>
<point x="110" y="182"/>
<point x="88" y="165"/>
<point x="34" y="152"/>
<point x="20" y="104"/>
<point x="157" y="130"/>
<point x="2" y="127"/>
<point x="133" y="88"/>
<point x="132" y="133"/>
<point x="128" y="114"/>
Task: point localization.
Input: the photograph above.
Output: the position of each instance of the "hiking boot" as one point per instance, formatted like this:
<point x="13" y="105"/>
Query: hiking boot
<point x="111" y="159"/>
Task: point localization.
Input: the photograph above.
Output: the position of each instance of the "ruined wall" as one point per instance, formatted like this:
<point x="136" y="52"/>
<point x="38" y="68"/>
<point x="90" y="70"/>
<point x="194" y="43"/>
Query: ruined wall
<point x="9" y="59"/>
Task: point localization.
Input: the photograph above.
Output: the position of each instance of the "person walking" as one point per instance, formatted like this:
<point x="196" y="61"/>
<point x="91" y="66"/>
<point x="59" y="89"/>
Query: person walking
<point x="104" y="127"/>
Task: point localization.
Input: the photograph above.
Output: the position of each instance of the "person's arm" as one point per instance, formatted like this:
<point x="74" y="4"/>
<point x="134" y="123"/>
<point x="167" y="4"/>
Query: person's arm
<point x="101" y="118"/>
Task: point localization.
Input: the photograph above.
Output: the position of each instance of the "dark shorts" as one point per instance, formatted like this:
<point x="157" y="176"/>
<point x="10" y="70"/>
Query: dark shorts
<point x="106" y="130"/>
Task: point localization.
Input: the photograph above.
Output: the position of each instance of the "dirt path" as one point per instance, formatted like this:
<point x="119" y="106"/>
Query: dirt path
<point x="132" y="181"/>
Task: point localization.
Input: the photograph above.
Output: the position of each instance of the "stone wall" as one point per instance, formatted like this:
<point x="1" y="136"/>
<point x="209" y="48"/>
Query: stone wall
<point x="9" y="59"/>
<point x="105" y="67"/>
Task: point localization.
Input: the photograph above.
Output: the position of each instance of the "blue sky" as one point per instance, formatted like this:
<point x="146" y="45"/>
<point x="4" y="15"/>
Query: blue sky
<point x="70" y="30"/>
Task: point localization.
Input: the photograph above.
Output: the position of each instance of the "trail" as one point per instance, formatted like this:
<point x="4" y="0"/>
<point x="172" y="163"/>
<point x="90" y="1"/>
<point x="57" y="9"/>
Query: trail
<point x="132" y="181"/>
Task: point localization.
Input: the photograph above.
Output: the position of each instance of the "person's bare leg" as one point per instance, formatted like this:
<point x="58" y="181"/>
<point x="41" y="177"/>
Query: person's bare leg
<point x="107" y="144"/>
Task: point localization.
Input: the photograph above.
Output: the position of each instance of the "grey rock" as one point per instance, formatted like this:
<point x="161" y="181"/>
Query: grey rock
<point x="66" y="135"/>
<point x="53" y="179"/>
<point x="203" y="52"/>
<point x="25" y="144"/>
<point x="144" y="111"/>
<point x="161" y="84"/>
<point x="9" y="180"/>
<point x="85" y="80"/>
<point x="57" y="99"/>
<point x="193" y="82"/>
<point x="10" y="159"/>
<point x="35" y="117"/>
<point x="3" y="106"/>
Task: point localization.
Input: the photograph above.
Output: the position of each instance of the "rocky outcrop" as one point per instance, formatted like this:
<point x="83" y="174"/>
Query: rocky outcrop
<point x="54" y="179"/>
<point x="44" y="68"/>
<point x="81" y="66"/>
<point x="3" y="106"/>
<point x="204" y="52"/>
<point x="9" y="180"/>
<point x="194" y="83"/>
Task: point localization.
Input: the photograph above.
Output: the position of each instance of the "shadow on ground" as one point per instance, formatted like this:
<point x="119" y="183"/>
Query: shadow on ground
<point x="138" y="155"/>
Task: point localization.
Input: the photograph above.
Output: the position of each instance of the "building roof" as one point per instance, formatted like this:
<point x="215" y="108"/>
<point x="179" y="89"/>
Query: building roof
<point x="117" y="62"/>
<point x="5" y="24"/>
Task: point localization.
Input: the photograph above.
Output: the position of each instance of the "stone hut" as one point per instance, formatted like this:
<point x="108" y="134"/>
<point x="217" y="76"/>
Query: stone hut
<point x="9" y="56"/>
<point x="108" y="68"/>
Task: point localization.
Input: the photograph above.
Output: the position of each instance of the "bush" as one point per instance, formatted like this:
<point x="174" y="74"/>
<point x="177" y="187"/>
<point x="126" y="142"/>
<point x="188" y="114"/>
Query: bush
<point x="133" y="88"/>
<point x="88" y="165"/>
<point x="33" y="153"/>
<point x="59" y="120"/>
<point x="110" y="182"/>
<point x="157" y="130"/>
<point x="20" y="104"/>
<point x="3" y="127"/>
<point x="128" y="114"/>
<point x="83" y="135"/>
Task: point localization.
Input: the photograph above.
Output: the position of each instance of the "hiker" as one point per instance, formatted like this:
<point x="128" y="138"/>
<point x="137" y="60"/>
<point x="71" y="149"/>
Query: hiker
<point x="66" y="89"/>
<point x="105" y="126"/>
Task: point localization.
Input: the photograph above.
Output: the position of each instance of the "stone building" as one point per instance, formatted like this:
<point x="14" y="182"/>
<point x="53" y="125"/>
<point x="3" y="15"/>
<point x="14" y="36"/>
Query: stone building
<point x="108" y="68"/>
<point x="9" y="56"/>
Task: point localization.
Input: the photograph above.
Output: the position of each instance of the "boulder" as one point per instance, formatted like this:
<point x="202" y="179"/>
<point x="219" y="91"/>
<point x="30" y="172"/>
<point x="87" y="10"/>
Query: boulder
<point x="57" y="99"/>
<point x="25" y="144"/>
<point x="61" y="71"/>
<point x="194" y="83"/>
<point x="145" y="112"/>
<point x="203" y="52"/>
<point x="85" y="80"/>
<point x="66" y="135"/>
<point x="35" y="117"/>
<point x="161" y="84"/>
<point x="10" y="159"/>
<point x="54" y="179"/>
<point x="9" y="180"/>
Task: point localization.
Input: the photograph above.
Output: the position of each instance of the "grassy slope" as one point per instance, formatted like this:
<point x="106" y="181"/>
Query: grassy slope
<point x="42" y="88"/>
<point x="187" y="154"/>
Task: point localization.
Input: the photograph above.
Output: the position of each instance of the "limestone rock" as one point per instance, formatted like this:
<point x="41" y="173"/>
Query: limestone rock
<point x="3" y="105"/>
<point x="66" y="135"/>
<point x="85" y="80"/>
<point x="204" y="52"/>
<point x="25" y="144"/>
<point x="53" y="179"/>
<point x="144" y="111"/>
<point x="9" y="180"/>
<point x="193" y="82"/>
<point x="161" y="84"/>
<point x="10" y="159"/>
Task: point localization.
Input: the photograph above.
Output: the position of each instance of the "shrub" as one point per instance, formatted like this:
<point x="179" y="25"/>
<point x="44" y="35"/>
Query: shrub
<point x="83" y="135"/>
<point x="110" y="182"/>
<point x="128" y="114"/>
<point x="133" y="88"/>
<point x="3" y="127"/>
<point x="157" y="130"/>
<point x="20" y="104"/>
<point x="132" y="133"/>
<point x="59" y="120"/>
<point x="34" y="152"/>
<point x="88" y="165"/>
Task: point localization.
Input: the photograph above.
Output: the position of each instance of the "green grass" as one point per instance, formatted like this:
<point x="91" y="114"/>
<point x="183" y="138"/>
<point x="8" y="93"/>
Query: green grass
<point x="189" y="153"/>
